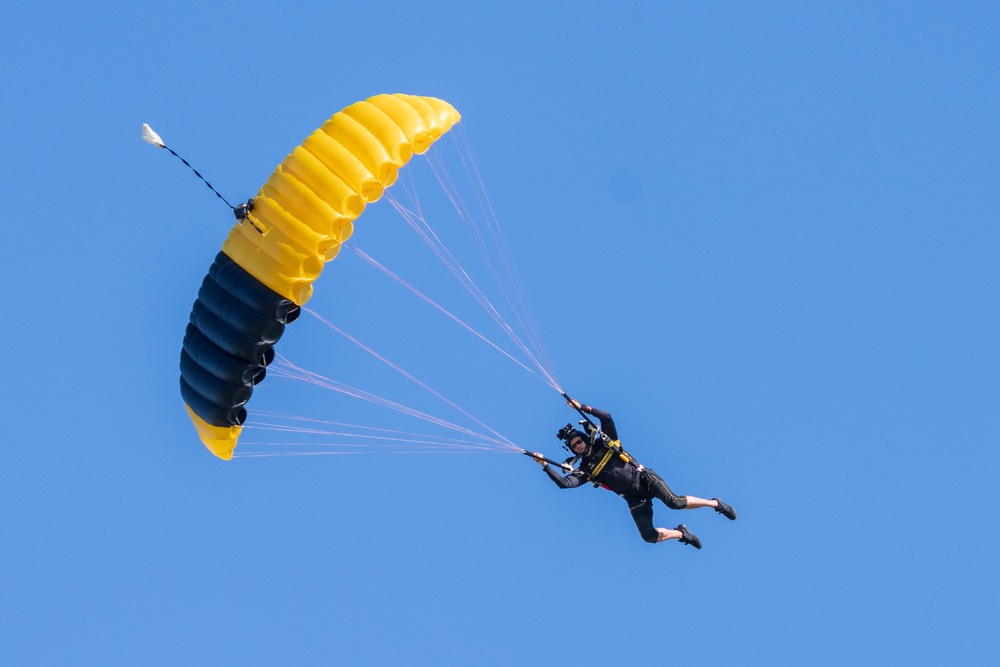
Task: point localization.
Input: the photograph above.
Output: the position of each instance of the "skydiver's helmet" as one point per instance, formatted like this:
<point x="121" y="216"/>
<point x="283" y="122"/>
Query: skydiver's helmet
<point x="567" y="433"/>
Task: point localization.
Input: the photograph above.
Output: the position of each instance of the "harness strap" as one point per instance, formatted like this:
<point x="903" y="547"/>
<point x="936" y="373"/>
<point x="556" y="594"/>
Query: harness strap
<point x="614" y="447"/>
<point x="604" y="461"/>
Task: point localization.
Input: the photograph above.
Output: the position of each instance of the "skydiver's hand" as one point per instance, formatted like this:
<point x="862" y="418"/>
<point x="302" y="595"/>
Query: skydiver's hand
<point x="575" y="404"/>
<point x="538" y="459"/>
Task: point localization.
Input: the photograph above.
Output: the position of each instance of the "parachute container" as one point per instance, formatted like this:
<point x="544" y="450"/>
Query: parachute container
<point x="271" y="258"/>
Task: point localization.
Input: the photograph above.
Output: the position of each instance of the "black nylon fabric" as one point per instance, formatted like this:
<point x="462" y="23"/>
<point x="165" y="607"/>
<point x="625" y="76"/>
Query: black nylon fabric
<point x="234" y="324"/>
<point x="218" y="362"/>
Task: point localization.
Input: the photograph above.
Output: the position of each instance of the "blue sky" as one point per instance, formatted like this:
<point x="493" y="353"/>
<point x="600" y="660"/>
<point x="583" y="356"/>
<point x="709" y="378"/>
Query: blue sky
<point x="764" y="237"/>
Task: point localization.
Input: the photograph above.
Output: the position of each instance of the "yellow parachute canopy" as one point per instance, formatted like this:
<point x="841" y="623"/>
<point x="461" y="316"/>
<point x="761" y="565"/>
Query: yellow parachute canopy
<point x="300" y="217"/>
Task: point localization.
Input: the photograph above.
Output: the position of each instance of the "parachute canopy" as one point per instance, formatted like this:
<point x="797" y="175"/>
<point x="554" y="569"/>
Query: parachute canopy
<point x="269" y="261"/>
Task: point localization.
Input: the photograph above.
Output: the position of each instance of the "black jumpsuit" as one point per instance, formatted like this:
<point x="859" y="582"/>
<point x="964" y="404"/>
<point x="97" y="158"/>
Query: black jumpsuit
<point x="637" y="486"/>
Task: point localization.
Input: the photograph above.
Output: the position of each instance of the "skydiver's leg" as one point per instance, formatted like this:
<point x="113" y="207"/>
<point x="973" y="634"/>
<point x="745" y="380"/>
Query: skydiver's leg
<point x="716" y="504"/>
<point x="659" y="489"/>
<point x="642" y="514"/>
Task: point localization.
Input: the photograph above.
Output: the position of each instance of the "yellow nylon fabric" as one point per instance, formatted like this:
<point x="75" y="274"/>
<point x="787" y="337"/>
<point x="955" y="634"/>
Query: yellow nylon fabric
<point x="220" y="440"/>
<point x="307" y="207"/>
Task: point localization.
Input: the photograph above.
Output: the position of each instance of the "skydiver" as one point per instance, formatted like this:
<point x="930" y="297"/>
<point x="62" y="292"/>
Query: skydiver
<point x="604" y="463"/>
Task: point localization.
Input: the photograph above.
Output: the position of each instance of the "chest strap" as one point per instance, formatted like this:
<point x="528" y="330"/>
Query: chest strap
<point x="612" y="446"/>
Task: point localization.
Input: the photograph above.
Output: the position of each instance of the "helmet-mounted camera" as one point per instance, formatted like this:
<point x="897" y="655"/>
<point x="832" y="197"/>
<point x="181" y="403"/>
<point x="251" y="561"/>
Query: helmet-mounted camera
<point x="566" y="433"/>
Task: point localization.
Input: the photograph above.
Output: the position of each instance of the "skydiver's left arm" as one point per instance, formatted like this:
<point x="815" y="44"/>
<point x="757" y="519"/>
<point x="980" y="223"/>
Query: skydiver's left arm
<point x="607" y="423"/>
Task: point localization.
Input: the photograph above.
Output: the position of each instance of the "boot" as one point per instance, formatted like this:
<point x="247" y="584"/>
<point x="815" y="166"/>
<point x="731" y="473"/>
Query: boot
<point x="725" y="510"/>
<point x="687" y="537"/>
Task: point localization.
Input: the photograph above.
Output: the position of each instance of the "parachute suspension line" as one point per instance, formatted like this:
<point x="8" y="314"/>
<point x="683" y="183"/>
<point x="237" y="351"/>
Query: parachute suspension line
<point x="417" y="438"/>
<point x="409" y="444"/>
<point x="383" y="445"/>
<point x="383" y="435"/>
<point x="518" y="308"/>
<point x="295" y="373"/>
<point x="360" y="427"/>
<point x="521" y="310"/>
<point x="474" y="177"/>
<point x="284" y="368"/>
<point x="502" y="439"/>
<point x="439" y="249"/>
<point x="325" y="422"/>
<point x="411" y="193"/>
<point x="420" y="226"/>
<point x="260" y="455"/>
<point x="360" y="253"/>
<point x="376" y="440"/>
<point x="464" y="151"/>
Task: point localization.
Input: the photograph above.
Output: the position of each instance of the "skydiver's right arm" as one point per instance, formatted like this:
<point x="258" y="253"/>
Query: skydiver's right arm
<point x="570" y="481"/>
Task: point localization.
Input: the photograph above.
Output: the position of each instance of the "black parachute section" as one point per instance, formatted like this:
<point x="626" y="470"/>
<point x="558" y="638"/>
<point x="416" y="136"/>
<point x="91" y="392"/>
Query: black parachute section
<point x="235" y="323"/>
